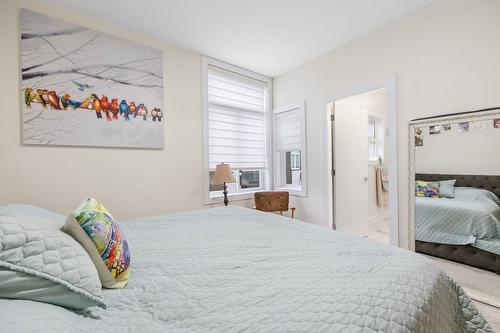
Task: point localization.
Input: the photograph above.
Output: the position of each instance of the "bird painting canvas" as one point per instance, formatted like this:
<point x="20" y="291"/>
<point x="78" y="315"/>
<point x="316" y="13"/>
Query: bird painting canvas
<point x="82" y="87"/>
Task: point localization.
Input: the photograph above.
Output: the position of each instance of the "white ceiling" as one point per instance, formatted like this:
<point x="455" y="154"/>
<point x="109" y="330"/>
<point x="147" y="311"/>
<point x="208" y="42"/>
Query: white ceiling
<point x="267" y="36"/>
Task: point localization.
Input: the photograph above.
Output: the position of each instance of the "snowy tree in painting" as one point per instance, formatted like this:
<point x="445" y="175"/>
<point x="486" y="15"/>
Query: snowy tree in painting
<point x="83" y="87"/>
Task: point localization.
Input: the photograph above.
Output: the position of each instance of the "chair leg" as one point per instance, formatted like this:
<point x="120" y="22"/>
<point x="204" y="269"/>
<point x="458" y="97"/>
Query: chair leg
<point x="293" y="212"/>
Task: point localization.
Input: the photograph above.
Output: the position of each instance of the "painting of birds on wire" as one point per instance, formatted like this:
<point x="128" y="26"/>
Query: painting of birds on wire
<point x="82" y="87"/>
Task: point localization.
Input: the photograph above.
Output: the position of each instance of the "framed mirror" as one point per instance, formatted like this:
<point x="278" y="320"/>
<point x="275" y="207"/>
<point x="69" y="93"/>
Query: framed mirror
<point x="454" y="193"/>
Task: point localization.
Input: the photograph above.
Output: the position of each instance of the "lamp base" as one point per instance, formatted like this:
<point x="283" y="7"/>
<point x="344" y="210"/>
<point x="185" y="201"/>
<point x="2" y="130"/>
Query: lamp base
<point x="226" y="200"/>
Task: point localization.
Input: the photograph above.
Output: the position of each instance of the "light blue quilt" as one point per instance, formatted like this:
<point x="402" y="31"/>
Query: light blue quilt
<point x="233" y="269"/>
<point x="472" y="217"/>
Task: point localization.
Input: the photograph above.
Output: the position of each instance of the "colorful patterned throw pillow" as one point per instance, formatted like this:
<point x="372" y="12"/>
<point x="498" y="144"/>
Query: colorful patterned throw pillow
<point x="427" y="189"/>
<point x="94" y="228"/>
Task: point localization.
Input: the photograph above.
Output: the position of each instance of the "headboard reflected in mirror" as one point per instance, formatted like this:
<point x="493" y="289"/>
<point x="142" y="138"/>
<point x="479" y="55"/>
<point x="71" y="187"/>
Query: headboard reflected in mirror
<point x="490" y="183"/>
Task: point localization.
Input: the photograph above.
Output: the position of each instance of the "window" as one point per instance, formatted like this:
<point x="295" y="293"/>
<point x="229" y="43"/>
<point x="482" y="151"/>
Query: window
<point x="289" y="149"/>
<point x="371" y="129"/>
<point x="246" y="181"/>
<point x="375" y="139"/>
<point x="235" y="124"/>
<point x="372" y="151"/>
<point x="249" y="179"/>
<point x="294" y="160"/>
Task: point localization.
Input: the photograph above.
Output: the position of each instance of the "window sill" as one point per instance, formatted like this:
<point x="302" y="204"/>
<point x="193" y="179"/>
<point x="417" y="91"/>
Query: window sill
<point x="232" y="197"/>
<point x="294" y="191"/>
<point x="250" y="195"/>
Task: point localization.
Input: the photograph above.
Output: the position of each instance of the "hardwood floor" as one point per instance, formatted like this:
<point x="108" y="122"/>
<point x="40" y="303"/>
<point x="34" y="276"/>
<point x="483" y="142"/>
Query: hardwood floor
<point x="482" y="286"/>
<point x="491" y="314"/>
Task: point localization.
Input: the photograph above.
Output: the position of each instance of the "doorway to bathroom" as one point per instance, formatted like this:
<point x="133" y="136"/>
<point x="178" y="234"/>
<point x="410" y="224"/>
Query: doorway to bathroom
<point x="362" y="164"/>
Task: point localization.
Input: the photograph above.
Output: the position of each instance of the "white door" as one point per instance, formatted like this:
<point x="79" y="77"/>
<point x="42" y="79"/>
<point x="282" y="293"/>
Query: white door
<point x="351" y="167"/>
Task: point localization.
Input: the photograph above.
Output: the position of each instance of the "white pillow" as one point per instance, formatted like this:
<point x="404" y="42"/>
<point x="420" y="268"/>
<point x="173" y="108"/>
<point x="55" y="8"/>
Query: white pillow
<point x="22" y="210"/>
<point x="37" y="247"/>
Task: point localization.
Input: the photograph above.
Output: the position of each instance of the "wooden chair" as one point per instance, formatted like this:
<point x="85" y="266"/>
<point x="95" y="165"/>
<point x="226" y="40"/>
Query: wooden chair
<point x="273" y="202"/>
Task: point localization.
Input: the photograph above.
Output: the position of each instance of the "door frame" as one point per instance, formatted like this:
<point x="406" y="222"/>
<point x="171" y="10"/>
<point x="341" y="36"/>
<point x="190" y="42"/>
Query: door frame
<point x="326" y="158"/>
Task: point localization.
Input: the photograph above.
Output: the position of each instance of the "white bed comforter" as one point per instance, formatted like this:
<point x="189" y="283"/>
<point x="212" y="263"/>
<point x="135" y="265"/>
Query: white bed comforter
<point x="232" y="269"/>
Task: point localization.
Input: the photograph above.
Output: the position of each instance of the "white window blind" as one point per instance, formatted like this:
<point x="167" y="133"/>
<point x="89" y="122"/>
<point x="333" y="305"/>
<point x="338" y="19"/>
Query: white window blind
<point x="289" y="148"/>
<point x="288" y="127"/>
<point x="236" y="120"/>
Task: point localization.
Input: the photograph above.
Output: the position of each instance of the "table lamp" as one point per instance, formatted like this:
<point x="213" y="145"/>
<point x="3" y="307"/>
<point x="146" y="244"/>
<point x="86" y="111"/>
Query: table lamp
<point x="223" y="175"/>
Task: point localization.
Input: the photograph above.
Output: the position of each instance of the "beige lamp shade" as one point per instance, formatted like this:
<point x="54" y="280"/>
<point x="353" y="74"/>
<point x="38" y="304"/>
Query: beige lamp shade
<point x="223" y="174"/>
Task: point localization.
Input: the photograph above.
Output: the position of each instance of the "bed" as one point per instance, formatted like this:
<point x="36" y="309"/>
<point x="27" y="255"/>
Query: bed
<point x="232" y="269"/>
<point x="465" y="229"/>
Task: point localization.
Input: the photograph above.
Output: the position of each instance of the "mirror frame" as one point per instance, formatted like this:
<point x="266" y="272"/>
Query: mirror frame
<point x="471" y="116"/>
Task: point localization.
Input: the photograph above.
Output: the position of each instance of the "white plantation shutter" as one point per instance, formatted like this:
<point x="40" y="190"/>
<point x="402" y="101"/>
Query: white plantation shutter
<point x="236" y="120"/>
<point x="289" y="127"/>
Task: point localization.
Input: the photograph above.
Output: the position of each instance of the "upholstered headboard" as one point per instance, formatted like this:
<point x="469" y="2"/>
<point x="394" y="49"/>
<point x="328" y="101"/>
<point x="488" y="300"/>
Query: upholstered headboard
<point x="490" y="183"/>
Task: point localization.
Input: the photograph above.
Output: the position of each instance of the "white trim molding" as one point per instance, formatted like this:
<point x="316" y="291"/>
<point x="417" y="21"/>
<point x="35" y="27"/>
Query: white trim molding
<point x="205" y="63"/>
<point x="327" y="184"/>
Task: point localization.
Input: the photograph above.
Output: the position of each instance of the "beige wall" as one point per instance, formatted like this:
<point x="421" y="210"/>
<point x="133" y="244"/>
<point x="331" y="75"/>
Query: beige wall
<point x="130" y="182"/>
<point x="446" y="57"/>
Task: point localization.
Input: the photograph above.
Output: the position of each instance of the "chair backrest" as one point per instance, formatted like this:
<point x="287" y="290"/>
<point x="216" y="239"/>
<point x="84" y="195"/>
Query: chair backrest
<point x="271" y="201"/>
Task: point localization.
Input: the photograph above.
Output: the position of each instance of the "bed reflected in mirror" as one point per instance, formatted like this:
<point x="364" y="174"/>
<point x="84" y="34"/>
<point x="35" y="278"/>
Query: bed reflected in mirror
<point x="457" y="190"/>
